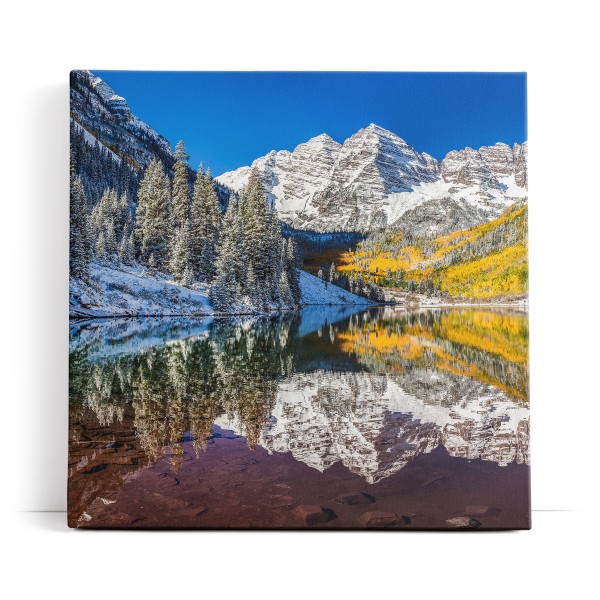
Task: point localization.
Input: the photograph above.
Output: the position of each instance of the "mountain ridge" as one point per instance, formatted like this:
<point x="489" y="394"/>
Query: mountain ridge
<point x="374" y="177"/>
<point x="98" y="109"/>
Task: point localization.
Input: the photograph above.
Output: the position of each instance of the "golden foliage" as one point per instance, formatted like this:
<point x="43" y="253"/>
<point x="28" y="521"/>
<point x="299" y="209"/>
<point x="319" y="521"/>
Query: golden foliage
<point x="488" y="346"/>
<point x="499" y="271"/>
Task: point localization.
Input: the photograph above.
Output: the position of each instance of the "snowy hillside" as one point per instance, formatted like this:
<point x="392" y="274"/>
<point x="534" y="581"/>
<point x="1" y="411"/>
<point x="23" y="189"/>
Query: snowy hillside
<point x="135" y="291"/>
<point x="129" y="291"/>
<point x="315" y="291"/>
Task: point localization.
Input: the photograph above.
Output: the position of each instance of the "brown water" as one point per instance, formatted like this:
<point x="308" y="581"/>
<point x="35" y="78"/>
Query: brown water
<point x="378" y="419"/>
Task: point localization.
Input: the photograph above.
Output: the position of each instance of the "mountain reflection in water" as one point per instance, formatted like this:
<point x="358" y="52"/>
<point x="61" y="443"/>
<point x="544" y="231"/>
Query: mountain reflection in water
<point x="371" y="391"/>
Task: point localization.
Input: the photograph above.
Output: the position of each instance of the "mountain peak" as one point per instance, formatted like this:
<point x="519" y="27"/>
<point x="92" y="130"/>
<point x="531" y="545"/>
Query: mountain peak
<point x="375" y="176"/>
<point x="322" y="138"/>
<point x="374" y="128"/>
<point x="374" y="133"/>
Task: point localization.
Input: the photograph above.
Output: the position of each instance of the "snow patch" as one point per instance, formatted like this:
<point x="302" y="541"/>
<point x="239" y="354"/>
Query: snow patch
<point x="316" y="291"/>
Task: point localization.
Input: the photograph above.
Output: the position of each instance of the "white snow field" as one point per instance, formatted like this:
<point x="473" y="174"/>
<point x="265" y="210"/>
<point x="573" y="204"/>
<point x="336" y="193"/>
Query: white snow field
<point x="129" y="291"/>
<point x="135" y="291"/>
<point x="316" y="291"/>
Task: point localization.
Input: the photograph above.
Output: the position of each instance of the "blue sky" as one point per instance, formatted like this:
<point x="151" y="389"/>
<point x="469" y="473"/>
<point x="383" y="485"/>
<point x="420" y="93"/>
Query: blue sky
<point x="228" y="119"/>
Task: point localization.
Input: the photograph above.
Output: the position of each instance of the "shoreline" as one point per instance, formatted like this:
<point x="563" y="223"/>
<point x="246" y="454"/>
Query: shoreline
<point x="396" y="305"/>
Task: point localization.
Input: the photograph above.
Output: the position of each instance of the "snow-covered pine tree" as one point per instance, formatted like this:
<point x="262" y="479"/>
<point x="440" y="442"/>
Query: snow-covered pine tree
<point x="212" y="223"/>
<point x="285" y="291"/>
<point x="79" y="239"/>
<point x="292" y="265"/>
<point x="152" y="225"/>
<point x="127" y="246"/>
<point x="180" y="255"/>
<point x="264" y="243"/>
<point x="222" y="294"/>
<point x="230" y="267"/>
<point x="109" y="222"/>
<point x="275" y="257"/>
<point x="181" y="189"/>
<point x="205" y="217"/>
<point x="100" y="246"/>
<point x="255" y="221"/>
<point x="238" y="246"/>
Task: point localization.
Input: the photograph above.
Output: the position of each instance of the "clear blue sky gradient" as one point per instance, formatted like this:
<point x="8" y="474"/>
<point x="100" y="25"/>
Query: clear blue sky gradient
<point x="228" y="119"/>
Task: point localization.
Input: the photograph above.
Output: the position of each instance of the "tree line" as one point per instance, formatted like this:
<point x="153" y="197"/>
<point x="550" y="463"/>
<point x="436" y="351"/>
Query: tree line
<point x="177" y="227"/>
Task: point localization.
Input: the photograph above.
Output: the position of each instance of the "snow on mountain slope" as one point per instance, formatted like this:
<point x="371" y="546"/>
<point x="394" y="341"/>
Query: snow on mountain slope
<point x="378" y="162"/>
<point x="374" y="178"/>
<point x="316" y="291"/>
<point x="91" y="140"/>
<point x="99" y="110"/>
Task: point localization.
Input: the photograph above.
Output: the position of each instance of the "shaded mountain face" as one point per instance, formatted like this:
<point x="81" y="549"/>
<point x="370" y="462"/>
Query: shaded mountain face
<point x="106" y="116"/>
<point x="375" y="178"/>
<point x="118" y="145"/>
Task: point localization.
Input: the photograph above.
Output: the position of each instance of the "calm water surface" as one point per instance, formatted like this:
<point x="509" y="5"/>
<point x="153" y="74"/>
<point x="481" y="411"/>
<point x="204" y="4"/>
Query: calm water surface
<point x="323" y="419"/>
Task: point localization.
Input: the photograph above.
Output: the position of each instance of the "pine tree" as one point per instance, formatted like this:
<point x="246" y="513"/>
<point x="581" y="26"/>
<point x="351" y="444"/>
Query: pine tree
<point x="254" y="263"/>
<point x="205" y="223"/>
<point x="79" y="238"/>
<point x="127" y="246"/>
<point x="332" y="273"/>
<point x="100" y="246"/>
<point x="293" y="269"/>
<point x="253" y="211"/>
<point x="152" y="226"/>
<point x="285" y="294"/>
<point x="109" y="223"/>
<point x="264" y="246"/>
<point x="181" y="189"/>
<point x="180" y="257"/>
<point x="222" y="293"/>
<point x="230" y="271"/>
<point x="252" y="290"/>
<point x="212" y="224"/>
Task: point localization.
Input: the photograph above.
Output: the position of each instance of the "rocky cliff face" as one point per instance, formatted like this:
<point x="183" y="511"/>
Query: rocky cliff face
<point x="107" y="117"/>
<point x="486" y="167"/>
<point x="374" y="178"/>
<point x="377" y="162"/>
<point x="467" y="167"/>
<point x="520" y="154"/>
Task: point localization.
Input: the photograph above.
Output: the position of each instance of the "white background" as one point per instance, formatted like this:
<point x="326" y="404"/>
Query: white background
<point x="554" y="42"/>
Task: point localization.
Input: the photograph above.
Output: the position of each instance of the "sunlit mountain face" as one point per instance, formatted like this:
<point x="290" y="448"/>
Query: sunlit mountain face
<point x="419" y="416"/>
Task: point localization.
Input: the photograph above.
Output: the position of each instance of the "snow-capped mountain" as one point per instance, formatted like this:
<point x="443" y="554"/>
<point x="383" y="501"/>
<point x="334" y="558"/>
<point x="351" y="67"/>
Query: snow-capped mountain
<point x="375" y="179"/>
<point x="106" y="116"/>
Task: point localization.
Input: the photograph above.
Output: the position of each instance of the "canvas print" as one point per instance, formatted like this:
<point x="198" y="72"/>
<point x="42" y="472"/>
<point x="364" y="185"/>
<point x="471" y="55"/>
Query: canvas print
<point x="298" y="301"/>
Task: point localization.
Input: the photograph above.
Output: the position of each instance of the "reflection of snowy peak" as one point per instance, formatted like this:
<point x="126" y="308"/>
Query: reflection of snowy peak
<point x="375" y="427"/>
<point x="375" y="177"/>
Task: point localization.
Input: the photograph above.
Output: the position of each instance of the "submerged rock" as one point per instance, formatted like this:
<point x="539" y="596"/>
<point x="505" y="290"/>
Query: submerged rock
<point x="379" y="519"/>
<point x="312" y="514"/>
<point x="355" y="498"/>
<point x="463" y="523"/>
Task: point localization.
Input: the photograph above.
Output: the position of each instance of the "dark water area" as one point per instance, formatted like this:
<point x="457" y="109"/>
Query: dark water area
<point x="325" y="419"/>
